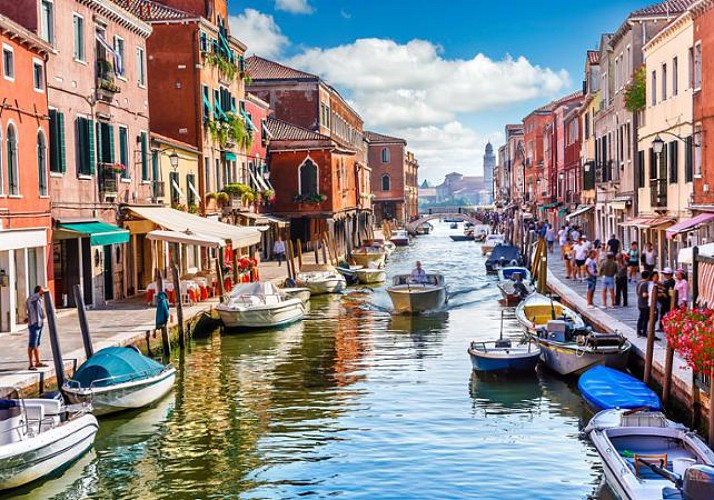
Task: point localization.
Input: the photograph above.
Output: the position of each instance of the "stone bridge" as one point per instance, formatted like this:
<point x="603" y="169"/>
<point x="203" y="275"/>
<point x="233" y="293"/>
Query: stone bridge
<point x="411" y="226"/>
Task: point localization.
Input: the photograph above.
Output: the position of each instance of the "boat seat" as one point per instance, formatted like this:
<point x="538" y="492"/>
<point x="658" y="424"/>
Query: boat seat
<point x="656" y="459"/>
<point x="671" y="494"/>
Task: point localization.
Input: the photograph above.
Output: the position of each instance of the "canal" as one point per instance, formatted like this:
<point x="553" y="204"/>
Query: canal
<point x="352" y="403"/>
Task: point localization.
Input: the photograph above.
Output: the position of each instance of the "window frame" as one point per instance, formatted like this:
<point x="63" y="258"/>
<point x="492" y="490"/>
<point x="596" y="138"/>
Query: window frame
<point x="6" y="48"/>
<point x="38" y="63"/>
<point x="79" y="52"/>
<point x="115" y="46"/>
<point x="386" y="155"/>
<point x="126" y="174"/>
<point x="141" y="66"/>
<point x="16" y="164"/>
<point x="388" y="184"/>
<point x="653" y="88"/>
<point x="317" y="176"/>
<point x="697" y="69"/>
<point x="48" y="37"/>
<point x="675" y="76"/>
<point x="42" y="169"/>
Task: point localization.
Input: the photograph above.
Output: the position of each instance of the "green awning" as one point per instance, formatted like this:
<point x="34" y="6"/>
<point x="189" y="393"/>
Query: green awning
<point x="227" y="155"/>
<point x="550" y="205"/>
<point x="562" y="212"/>
<point x="100" y="233"/>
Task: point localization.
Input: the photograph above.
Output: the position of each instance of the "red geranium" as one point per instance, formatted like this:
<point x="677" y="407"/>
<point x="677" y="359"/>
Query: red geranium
<point x="690" y="332"/>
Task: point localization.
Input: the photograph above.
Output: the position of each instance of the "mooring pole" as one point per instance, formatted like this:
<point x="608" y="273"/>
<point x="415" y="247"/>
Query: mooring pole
<point x="291" y="263"/>
<point x="695" y="276"/>
<point x="54" y="340"/>
<point x="83" y="323"/>
<point x="649" y="353"/>
<point x="669" y="357"/>
<point x="179" y="306"/>
<point x="298" y="245"/>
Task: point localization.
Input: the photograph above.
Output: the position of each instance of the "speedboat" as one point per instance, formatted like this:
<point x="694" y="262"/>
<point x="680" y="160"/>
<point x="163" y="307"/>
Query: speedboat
<point x="368" y="255"/>
<point x="368" y="275"/>
<point x="503" y="355"/>
<point x="296" y="293"/>
<point x="326" y="280"/>
<point x="568" y="350"/>
<point x="409" y="296"/>
<point x="606" y="389"/>
<point x="536" y="310"/>
<point x="424" y="228"/>
<point x="400" y="238"/>
<point x="259" y="305"/>
<point x="506" y="273"/>
<point x="467" y="236"/>
<point x="490" y="242"/>
<point x="648" y="457"/>
<point x="502" y="256"/>
<point x="119" y="378"/>
<point x="348" y="272"/>
<point x="40" y="436"/>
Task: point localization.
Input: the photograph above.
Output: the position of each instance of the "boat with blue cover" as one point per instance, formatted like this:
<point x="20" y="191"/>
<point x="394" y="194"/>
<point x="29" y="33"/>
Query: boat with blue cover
<point x="605" y="389"/>
<point x="119" y="378"/>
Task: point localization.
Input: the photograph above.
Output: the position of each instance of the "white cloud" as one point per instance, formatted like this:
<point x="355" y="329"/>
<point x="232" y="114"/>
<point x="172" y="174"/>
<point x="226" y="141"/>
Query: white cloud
<point x="259" y="32"/>
<point x="294" y="6"/>
<point x="412" y="84"/>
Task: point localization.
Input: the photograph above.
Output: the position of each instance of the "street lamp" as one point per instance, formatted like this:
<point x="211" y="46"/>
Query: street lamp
<point x="658" y="145"/>
<point x="174" y="160"/>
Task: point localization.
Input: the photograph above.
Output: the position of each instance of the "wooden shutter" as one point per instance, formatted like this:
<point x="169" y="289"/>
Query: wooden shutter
<point x="62" y="149"/>
<point x="92" y="158"/>
<point x="111" y="142"/>
<point x="144" y="163"/>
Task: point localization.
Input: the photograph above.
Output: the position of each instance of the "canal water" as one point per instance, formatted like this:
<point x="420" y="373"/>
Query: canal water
<point x="352" y="403"/>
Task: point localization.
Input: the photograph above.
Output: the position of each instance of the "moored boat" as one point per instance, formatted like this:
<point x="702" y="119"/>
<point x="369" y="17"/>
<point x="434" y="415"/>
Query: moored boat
<point x="259" y="305"/>
<point x="119" y="378"/>
<point x="513" y="292"/>
<point x="424" y="228"/>
<point x="454" y="225"/>
<point x="349" y="273"/>
<point x="40" y="436"/>
<point x="502" y="355"/>
<point x="409" y="296"/>
<point x="323" y="281"/>
<point x="537" y="309"/>
<point x="400" y="238"/>
<point x="503" y="256"/>
<point x="368" y="276"/>
<point x="468" y="236"/>
<point x="646" y="456"/>
<point x="368" y="255"/>
<point x="605" y="389"/>
<point x="301" y="293"/>
<point x="490" y="242"/>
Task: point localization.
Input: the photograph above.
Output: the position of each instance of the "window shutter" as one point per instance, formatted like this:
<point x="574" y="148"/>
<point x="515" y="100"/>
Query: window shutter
<point x="144" y="165"/>
<point x="61" y="143"/>
<point x="100" y="142"/>
<point x="673" y="161"/>
<point x="54" y="142"/>
<point x="688" y="150"/>
<point x="111" y="143"/>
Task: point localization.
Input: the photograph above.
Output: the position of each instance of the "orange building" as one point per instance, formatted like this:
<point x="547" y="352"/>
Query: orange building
<point x="25" y="222"/>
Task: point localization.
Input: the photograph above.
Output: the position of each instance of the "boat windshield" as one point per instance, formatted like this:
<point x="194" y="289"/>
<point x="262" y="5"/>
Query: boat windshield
<point x="430" y="279"/>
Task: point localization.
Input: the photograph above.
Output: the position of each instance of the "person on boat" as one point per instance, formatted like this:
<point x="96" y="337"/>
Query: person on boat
<point x="418" y="274"/>
<point x="35" y="320"/>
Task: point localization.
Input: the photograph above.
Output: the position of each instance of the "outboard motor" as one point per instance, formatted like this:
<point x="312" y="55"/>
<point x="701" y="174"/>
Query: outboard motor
<point x="698" y="483"/>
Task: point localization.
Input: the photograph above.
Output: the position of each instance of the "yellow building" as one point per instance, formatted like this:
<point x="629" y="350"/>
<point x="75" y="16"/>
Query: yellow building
<point x="665" y="144"/>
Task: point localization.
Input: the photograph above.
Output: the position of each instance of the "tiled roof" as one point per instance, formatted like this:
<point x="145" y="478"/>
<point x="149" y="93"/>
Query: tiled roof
<point x="263" y="69"/>
<point x="148" y="10"/>
<point x="669" y="7"/>
<point x="593" y="57"/>
<point x="554" y="104"/>
<point x="375" y="137"/>
<point x="283" y="131"/>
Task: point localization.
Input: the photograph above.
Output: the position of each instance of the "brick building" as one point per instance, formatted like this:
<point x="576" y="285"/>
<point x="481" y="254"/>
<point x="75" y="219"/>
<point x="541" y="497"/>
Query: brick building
<point x="25" y="222"/>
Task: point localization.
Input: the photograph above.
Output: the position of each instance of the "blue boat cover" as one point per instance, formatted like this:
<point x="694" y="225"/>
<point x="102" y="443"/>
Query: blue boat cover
<point x="605" y="389"/>
<point x="504" y="253"/>
<point x="115" y="365"/>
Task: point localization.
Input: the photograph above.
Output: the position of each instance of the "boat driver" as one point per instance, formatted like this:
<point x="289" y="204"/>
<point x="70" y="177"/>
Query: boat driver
<point x="418" y="274"/>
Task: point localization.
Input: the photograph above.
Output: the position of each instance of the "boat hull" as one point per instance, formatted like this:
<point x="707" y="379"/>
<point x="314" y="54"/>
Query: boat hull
<point x="126" y="396"/>
<point x="284" y="313"/>
<point x="323" y="286"/>
<point x="367" y="258"/>
<point x="522" y="362"/>
<point x="400" y="242"/>
<point x="297" y="293"/>
<point x="369" y="276"/>
<point x="542" y="309"/>
<point x="34" y="458"/>
<point x="417" y="299"/>
<point x="567" y="360"/>
<point x="459" y="237"/>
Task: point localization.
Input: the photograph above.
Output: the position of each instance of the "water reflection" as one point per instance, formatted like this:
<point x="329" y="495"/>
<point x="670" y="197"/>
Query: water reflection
<point x="498" y="393"/>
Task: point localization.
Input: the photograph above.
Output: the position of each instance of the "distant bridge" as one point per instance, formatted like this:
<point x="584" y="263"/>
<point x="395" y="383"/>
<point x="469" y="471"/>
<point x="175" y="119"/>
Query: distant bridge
<point x="438" y="214"/>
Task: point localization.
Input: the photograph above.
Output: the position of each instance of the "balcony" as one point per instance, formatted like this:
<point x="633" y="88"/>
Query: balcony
<point x="106" y="81"/>
<point x="658" y="193"/>
<point x="108" y="185"/>
<point x="158" y="189"/>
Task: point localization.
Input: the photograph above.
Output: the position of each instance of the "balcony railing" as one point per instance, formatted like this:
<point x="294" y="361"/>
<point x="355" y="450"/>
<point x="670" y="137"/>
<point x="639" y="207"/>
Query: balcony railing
<point x="658" y="193"/>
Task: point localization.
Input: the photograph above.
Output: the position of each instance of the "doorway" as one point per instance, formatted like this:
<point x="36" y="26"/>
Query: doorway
<point x="108" y="273"/>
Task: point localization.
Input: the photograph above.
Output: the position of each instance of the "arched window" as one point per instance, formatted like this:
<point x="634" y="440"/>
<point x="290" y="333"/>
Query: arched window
<point x="308" y="178"/>
<point x="385" y="155"/>
<point x="42" y="163"/>
<point x="13" y="174"/>
<point x="386" y="183"/>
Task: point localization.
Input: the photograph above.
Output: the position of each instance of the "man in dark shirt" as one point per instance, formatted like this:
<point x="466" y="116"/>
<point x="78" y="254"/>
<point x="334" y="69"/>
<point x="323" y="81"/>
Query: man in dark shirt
<point x="667" y="288"/>
<point x="613" y="245"/>
<point x="643" y="303"/>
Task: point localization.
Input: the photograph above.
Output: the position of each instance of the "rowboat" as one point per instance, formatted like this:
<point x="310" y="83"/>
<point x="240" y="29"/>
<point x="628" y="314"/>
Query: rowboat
<point x="39" y="437"/>
<point x="259" y="305"/>
<point x="646" y="456"/>
<point x="605" y="389"/>
<point x="119" y="378"/>
<point x="368" y="276"/>
<point x="400" y="238"/>
<point x="368" y="255"/>
<point x="536" y="310"/>
<point x="409" y="296"/>
<point x="502" y="355"/>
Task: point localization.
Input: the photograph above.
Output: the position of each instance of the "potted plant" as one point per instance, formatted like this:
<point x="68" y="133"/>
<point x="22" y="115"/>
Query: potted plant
<point x="223" y="198"/>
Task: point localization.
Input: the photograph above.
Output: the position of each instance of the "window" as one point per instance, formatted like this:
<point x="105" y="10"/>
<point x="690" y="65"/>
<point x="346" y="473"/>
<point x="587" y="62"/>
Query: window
<point x="697" y="69"/>
<point x="174" y="188"/>
<point x="47" y="28"/>
<point x="206" y="175"/>
<point x="308" y="178"/>
<point x="13" y="173"/>
<point x="144" y="142"/>
<point x="191" y="189"/>
<point x="653" y="88"/>
<point x="206" y="93"/>
<point x="140" y="66"/>
<point x="42" y="163"/>
<point x="203" y="41"/>
<point x="78" y="28"/>
<point x="57" y="144"/>
<point x="386" y="183"/>
<point x="105" y="143"/>
<point x="8" y="62"/>
<point x="155" y="170"/>
<point x="664" y="82"/>
<point x="38" y="75"/>
<point x="119" y="50"/>
<point x="85" y="146"/>
<point x="675" y="77"/>
<point x="688" y="151"/>
<point x="673" y="158"/>
<point x="698" y="151"/>
<point x="124" y="152"/>
<point x="640" y="169"/>
<point x="217" y="169"/>
<point x="385" y="155"/>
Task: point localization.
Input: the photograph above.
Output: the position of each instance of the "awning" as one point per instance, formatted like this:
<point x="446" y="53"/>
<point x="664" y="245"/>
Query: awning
<point x="186" y="238"/>
<point x="550" y="205"/>
<point x="688" y="224"/>
<point x="100" y="233"/>
<point x="580" y="211"/>
<point x="686" y="254"/>
<point x="175" y="220"/>
<point x="228" y="155"/>
<point x="265" y="220"/>
<point x="647" y="222"/>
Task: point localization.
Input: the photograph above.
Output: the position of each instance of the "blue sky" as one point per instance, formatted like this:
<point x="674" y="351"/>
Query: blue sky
<point x="447" y="79"/>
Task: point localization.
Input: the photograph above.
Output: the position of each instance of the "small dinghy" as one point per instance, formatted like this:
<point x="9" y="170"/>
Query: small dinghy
<point x="648" y="457"/>
<point x="507" y="284"/>
<point x="367" y="276"/>
<point x="606" y="389"/>
<point x="400" y="238"/>
<point x="323" y="280"/>
<point x="367" y="255"/>
<point x="409" y="296"/>
<point x="296" y="293"/>
<point x="259" y="305"/>
<point x="119" y="378"/>
<point x="503" y="355"/>
<point x="40" y="436"/>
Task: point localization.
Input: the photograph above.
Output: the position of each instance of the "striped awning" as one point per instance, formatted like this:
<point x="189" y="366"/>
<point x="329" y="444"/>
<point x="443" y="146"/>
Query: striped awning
<point x="706" y="285"/>
<point x="689" y="224"/>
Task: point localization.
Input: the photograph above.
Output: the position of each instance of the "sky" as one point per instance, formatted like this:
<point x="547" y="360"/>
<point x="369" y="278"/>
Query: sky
<point x="447" y="77"/>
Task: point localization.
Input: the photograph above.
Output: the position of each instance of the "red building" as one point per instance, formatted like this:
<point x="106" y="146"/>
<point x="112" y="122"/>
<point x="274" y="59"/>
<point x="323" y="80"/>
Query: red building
<point x="25" y="222"/>
<point x="702" y="75"/>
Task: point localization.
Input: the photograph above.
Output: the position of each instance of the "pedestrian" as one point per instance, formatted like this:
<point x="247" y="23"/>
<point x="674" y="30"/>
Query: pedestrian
<point x="592" y="271"/>
<point x="575" y="234"/>
<point x="550" y="238"/>
<point x="602" y="254"/>
<point x="613" y="245"/>
<point x="581" y="250"/>
<point x="681" y="288"/>
<point x="649" y="257"/>
<point x="621" y="280"/>
<point x="35" y="319"/>
<point x="633" y="261"/>
<point x="658" y="290"/>
<point x="665" y="301"/>
<point x="562" y="236"/>
<point x="279" y="250"/>
<point x="607" y="271"/>
<point x="643" y="303"/>
<point x="567" y="250"/>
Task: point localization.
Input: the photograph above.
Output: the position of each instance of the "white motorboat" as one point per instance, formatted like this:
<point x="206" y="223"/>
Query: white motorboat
<point x="368" y="276"/>
<point x="119" y="378"/>
<point x="325" y="280"/>
<point x="648" y="457"/>
<point x="296" y="293"/>
<point x="409" y="296"/>
<point x="400" y="238"/>
<point x="536" y="310"/>
<point x="490" y="242"/>
<point x="40" y="436"/>
<point x="389" y="247"/>
<point x="259" y="305"/>
<point x="369" y="255"/>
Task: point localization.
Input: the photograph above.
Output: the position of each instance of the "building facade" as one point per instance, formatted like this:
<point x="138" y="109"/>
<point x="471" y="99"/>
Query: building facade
<point x="393" y="178"/>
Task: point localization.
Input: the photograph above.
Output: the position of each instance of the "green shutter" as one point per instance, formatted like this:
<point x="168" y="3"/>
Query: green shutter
<point x="111" y="143"/>
<point x="92" y="159"/>
<point x="54" y="142"/>
<point x="144" y="165"/>
<point x="61" y="143"/>
<point x="100" y="142"/>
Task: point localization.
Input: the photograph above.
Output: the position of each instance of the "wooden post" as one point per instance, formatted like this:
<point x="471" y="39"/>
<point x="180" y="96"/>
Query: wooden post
<point x="696" y="403"/>
<point x="148" y="342"/>
<point x="219" y="275"/>
<point x="314" y="247"/>
<point x="337" y="256"/>
<point x="668" y="358"/>
<point x="298" y="243"/>
<point x="649" y="353"/>
<point x="165" y="343"/>
<point x="54" y="340"/>
<point x="235" y="266"/>
<point x="324" y="251"/>
<point x="695" y="276"/>
<point x="179" y="306"/>
<point x="291" y="257"/>
<point x="83" y="323"/>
